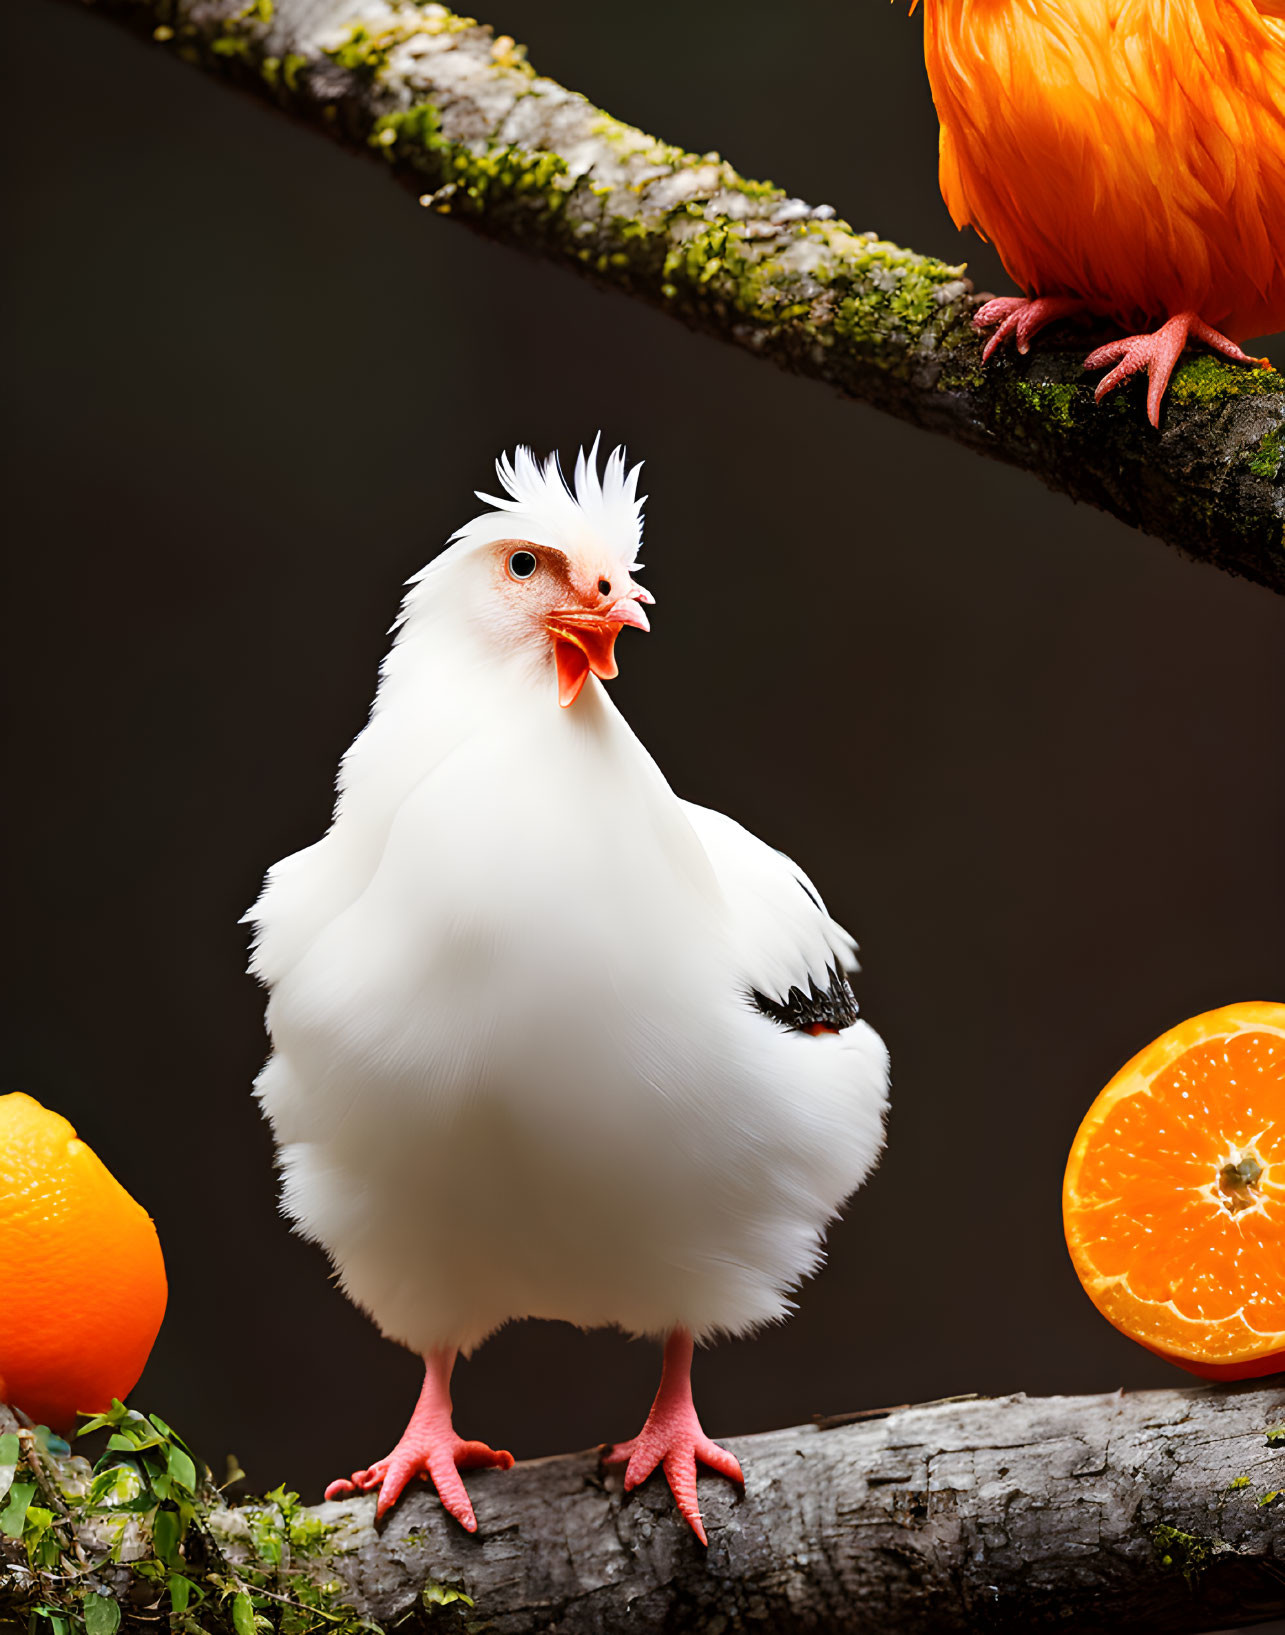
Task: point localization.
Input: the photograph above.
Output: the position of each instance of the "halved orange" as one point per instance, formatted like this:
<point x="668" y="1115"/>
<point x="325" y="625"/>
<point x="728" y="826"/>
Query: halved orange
<point x="1174" y="1197"/>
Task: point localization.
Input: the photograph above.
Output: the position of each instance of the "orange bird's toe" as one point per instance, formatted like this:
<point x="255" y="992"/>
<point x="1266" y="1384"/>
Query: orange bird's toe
<point x="1158" y="353"/>
<point x="1020" y="318"/>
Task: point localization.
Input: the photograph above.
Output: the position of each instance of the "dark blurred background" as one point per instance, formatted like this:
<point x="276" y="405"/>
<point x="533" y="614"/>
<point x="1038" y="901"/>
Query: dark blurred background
<point x="1034" y="759"/>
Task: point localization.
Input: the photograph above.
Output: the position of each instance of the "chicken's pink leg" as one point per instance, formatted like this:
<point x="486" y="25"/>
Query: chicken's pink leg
<point x="672" y="1437"/>
<point x="1022" y="317"/>
<point x="1157" y="353"/>
<point x="428" y="1447"/>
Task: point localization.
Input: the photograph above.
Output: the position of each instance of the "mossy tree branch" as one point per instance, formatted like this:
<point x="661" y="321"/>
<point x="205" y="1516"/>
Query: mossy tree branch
<point x="1157" y="1511"/>
<point x="460" y="117"/>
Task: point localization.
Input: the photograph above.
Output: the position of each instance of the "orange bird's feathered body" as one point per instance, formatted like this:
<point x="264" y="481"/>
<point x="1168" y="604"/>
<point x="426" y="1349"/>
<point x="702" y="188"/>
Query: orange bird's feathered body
<point x="1126" y="157"/>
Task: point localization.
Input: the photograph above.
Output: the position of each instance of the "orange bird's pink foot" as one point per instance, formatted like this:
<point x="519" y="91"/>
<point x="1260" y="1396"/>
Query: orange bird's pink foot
<point x="1157" y="353"/>
<point x="673" y="1438"/>
<point x="428" y="1447"/>
<point x="1022" y="317"/>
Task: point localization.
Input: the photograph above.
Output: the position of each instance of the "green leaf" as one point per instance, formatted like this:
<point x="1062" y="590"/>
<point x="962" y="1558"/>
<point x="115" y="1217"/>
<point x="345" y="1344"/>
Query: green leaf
<point x="1276" y="1436"/>
<point x="243" y="1614"/>
<point x="441" y="1595"/>
<point x="267" y="1540"/>
<point x="9" y="1448"/>
<point x="41" y="1548"/>
<point x="182" y="1468"/>
<point x="15" y="1511"/>
<point x="117" y="1414"/>
<point x="165" y="1536"/>
<point x="170" y="1433"/>
<point x="119" y="1487"/>
<point x="102" y="1615"/>
<point x="180" y="1590"/>
<point x="131" y="1433"/>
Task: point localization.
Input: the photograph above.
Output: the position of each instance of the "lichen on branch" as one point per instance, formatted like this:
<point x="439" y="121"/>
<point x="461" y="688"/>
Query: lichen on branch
<point x="460" y="116"/>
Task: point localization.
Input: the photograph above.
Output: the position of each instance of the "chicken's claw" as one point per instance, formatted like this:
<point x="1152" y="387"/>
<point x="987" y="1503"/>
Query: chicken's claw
<point x="678" y="1452"/>
<point x="428" y="1447"/>
<point x="673" y="1438"/>
<point x="441" y="1464"/>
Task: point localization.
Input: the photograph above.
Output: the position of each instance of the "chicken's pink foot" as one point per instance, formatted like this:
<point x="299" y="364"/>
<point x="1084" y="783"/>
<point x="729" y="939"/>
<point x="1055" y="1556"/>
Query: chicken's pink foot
<point x="1157" y="353"/>
<point x="673" y="1438"/>
<point x="428" y="1447"/>
<point x="1022" y="317"/>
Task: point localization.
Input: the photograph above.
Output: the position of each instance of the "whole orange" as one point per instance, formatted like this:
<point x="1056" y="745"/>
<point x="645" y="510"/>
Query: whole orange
<point x="82" y="1280"/>
<point x="1174" y="1197"/>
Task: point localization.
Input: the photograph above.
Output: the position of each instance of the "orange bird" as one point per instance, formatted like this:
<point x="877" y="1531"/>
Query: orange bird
<point x="1127" y="159"/>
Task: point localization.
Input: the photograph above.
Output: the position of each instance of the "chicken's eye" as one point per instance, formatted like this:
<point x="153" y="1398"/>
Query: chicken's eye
<point x="604" y="587"/>
<point x="522" y="564"/>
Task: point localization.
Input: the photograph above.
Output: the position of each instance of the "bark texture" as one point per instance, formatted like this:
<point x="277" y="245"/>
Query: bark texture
<point x="1071" y="1513"/>
<point x="1152" y="1511"/>
<point x="460" y="117"/>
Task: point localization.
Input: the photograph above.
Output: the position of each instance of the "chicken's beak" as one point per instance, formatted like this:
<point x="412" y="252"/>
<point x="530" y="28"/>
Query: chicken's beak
<point x="585" y="641"/>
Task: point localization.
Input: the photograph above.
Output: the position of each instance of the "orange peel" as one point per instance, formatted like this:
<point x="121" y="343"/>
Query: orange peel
<point x="82" y="1278"/>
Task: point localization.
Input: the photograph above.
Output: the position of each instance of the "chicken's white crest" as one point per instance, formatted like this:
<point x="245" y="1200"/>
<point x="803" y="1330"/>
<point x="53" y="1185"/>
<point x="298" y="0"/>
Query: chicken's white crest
<point x="593" y="513"/>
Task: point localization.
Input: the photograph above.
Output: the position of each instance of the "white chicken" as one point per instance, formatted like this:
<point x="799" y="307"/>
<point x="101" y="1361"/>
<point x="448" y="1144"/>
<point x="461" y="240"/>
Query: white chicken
<point x="549" y="1041"/>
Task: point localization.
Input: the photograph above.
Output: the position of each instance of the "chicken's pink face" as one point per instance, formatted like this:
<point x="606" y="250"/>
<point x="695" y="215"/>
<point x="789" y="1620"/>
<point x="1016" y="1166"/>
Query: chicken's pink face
<point x="579" y="606"/>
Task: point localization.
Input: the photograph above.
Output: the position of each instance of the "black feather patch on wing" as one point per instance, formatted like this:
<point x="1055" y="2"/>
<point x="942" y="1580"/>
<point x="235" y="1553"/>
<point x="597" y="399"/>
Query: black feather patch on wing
<point x="832" y="1007"/>
<point x="808" y="892"/>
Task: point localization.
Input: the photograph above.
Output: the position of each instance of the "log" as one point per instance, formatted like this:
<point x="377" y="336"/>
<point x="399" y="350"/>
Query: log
<point x="1146" y="1511"/>
<point x="460" y="117"/>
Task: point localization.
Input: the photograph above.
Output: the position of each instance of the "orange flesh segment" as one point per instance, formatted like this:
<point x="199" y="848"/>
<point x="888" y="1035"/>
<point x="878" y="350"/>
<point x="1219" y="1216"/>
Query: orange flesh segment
<point x="1171" y="1242"/>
